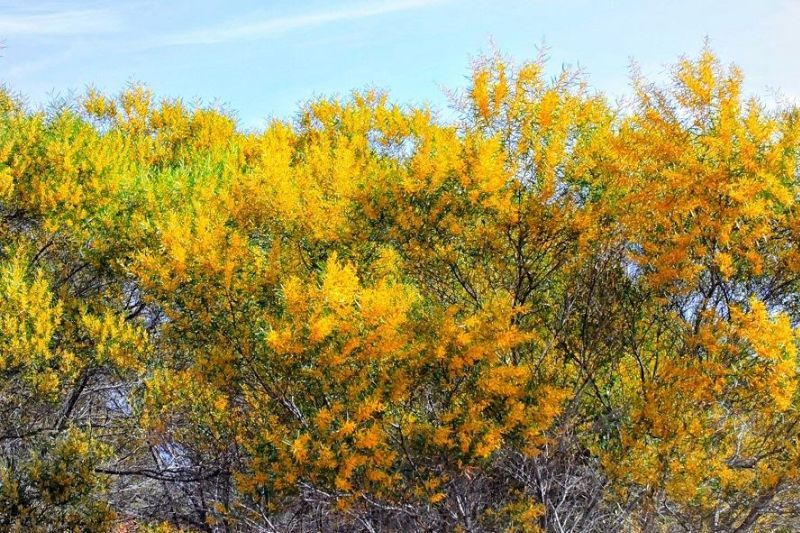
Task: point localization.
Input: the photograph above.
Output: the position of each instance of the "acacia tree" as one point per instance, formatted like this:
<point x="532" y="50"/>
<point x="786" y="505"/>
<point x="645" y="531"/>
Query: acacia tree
<point x="547" y="314"/>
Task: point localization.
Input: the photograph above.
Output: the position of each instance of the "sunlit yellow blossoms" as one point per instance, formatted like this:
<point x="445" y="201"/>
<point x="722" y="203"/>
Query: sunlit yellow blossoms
<point x="549" y="313"/>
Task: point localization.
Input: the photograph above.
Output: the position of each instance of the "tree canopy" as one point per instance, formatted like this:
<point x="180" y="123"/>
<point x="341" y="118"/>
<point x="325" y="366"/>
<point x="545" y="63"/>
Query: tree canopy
<point x="547" y="313"/>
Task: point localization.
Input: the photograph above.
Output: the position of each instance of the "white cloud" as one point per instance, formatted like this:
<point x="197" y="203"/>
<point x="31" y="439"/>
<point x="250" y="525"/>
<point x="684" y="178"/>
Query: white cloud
<point x="64" y="22"/>
<point x="266" y="28"/>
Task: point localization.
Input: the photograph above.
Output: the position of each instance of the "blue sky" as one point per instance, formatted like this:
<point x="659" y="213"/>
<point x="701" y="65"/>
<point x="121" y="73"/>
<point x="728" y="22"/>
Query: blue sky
<point x="261" y="59"/>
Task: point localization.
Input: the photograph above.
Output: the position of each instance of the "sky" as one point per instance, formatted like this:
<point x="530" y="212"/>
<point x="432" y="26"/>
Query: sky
<point x="262" y="59"/>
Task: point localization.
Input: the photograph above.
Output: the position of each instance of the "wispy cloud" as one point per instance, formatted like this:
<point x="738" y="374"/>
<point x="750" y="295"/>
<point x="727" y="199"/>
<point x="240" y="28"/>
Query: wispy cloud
<point x="59" y="22"/>
<point x="235" y="31"/>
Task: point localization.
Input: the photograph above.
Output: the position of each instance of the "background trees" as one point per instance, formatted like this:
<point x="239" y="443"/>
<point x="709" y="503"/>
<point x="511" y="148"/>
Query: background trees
<point x="545" y="314"/>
